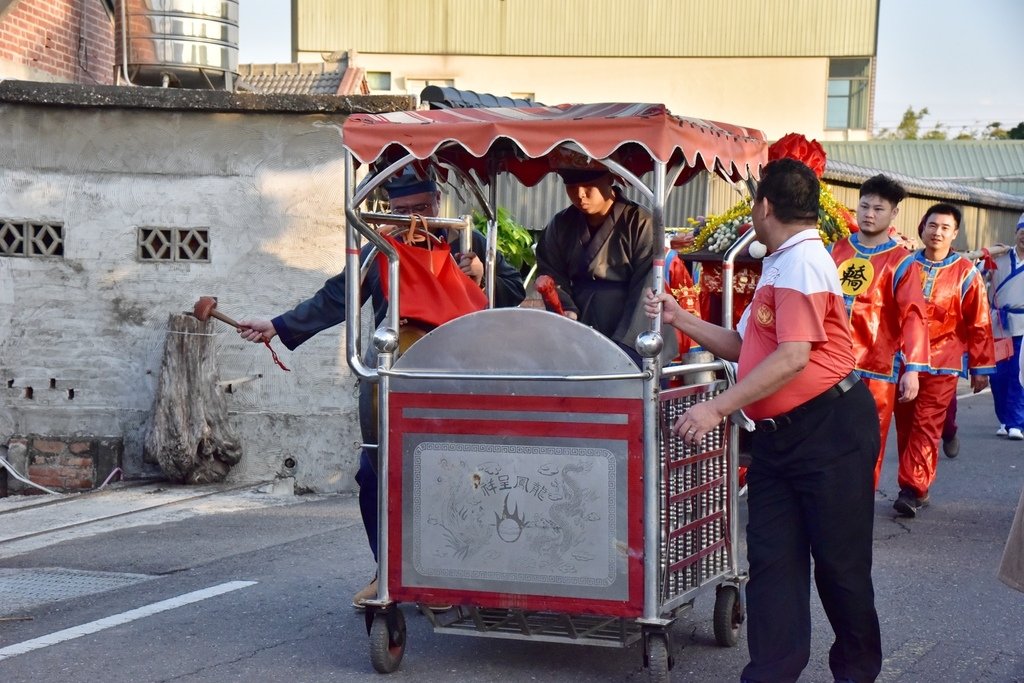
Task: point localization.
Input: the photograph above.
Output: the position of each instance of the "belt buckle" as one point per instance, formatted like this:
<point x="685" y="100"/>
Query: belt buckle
<point x="768" y="425"/>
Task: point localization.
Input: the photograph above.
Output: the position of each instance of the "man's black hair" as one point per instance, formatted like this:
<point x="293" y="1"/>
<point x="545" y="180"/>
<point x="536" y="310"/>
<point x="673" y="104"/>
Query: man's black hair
<point x="943" y="209"/>
<point x="884" y="187"/>
<point x="792" y="188"/>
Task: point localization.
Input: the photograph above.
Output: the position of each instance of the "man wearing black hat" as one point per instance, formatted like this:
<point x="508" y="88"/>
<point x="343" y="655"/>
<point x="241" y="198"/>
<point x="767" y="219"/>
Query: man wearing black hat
<point x="407" y="195"/>
<point x="600" y="252"/>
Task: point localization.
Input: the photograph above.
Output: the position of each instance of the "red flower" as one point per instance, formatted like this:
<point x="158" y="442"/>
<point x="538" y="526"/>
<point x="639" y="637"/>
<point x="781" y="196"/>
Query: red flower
<point x="796" y="146"/>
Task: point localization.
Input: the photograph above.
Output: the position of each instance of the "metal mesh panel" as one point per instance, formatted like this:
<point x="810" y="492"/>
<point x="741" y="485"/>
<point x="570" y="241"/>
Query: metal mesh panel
<point x="553" y="627"/>
<point x="694" y="498"/>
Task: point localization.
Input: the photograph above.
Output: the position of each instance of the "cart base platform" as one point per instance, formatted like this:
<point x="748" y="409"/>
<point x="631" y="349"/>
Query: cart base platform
<point x="552" y="627"/>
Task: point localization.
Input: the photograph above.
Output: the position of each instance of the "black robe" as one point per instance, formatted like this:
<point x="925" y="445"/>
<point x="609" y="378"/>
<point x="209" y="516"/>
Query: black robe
<point x="603" y="276"/>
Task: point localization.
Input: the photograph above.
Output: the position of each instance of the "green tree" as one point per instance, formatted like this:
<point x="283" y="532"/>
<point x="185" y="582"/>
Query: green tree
<point x="935" y="133"/>
<point x="910" y="124"/>
<point x="1017" y="132"/>
<point x="994" y="131"/>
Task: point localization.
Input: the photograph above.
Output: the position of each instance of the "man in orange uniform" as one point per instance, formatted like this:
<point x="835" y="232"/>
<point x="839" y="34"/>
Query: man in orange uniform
<point x="881" y="286"/>
<point x="958" y="322"/>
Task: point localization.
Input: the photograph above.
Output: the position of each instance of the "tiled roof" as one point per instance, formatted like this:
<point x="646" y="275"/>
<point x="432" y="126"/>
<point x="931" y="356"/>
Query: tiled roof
<point x="992" y="164"/>
<point x="324" y="78"/>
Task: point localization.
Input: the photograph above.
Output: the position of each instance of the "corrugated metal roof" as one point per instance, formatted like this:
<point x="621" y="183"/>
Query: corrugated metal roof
<point x="845" y="172"/>
<point x="991" y="164"/>
<point x="533" y="207"/>
<point x="293" y="79"/>
<point x="595" y="28"/>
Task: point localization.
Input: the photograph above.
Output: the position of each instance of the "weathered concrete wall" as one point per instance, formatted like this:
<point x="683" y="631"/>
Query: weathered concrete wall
<point x="86" y="331"/>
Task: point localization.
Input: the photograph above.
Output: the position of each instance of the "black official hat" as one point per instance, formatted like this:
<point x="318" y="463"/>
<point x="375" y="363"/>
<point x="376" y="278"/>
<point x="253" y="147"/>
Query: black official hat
<point x="407" y="183"/>
<point x="580" y="176"/>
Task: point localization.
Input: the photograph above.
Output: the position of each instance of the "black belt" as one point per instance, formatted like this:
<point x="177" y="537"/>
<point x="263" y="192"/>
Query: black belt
<point x="773" y="424"/>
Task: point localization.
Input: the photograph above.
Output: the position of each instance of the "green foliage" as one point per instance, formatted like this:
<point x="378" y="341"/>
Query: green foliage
<point x="909" y="126"/>
<point x="514" y="241"/>
<point x="994" y="131"/>
<point x="910" y="129"/>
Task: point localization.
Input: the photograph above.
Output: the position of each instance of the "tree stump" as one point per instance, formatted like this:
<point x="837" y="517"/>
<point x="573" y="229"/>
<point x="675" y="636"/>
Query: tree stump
<point x="190" y="436"/>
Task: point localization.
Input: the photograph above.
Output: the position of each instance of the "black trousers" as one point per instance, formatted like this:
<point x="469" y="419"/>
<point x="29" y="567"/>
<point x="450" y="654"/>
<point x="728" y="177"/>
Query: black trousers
<point x="811" y="494"/>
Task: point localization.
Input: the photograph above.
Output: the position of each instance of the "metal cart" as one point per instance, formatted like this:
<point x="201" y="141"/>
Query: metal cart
<point x="527" y="472"/>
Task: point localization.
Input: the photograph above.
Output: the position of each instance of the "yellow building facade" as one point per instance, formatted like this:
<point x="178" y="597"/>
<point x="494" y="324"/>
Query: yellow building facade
<point x="776" y="65"/>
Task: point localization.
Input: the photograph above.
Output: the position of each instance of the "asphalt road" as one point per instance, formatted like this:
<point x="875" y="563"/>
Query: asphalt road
<point x="945" y="617"/>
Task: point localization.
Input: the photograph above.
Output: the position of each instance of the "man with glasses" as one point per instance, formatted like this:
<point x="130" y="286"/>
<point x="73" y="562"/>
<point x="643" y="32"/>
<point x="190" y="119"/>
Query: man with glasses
<point x="407" y="195"/>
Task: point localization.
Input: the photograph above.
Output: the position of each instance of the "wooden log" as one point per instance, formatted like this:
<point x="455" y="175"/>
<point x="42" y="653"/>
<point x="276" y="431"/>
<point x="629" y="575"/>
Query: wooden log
<point x="190" y="435"/>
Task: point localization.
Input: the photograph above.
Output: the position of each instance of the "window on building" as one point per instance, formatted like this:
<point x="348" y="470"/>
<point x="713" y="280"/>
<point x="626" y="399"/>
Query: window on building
<point x="414" y="86"/>
<point x="848" y="81"/>
<point x="174" y="244"/>
<point x="379" y="80"/>
<point x="31" y="238"/>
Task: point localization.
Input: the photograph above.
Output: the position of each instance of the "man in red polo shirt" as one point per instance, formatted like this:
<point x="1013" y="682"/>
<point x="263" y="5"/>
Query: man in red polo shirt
<point x="813" y="453"/>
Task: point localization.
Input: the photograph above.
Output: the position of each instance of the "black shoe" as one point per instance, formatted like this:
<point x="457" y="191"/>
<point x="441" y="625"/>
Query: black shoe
<point x="952" y="447"/>
<point x="907" y="504"/>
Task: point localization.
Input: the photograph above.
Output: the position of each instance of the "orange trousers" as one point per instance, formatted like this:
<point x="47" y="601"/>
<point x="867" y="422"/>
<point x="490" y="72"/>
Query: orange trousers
<point x="918" y="430"/>
<point x="884" y="394"/>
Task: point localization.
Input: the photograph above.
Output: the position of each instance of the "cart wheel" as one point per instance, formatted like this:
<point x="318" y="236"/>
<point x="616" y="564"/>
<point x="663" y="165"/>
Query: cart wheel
<point x="728" y="616"/>
<point x="387" y="640"/>
<point x="657" y="658"/>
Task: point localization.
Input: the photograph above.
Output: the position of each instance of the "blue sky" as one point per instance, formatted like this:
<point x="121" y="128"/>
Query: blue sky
<point x="962" y="59"/>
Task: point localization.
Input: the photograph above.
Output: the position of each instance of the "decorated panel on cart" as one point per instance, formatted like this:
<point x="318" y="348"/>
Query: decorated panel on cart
<point x="521" y="497"/>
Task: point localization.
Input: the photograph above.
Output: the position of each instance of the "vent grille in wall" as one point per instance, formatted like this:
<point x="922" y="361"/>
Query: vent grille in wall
<point x="31" y="238"/>
<point x="174" y="244"/>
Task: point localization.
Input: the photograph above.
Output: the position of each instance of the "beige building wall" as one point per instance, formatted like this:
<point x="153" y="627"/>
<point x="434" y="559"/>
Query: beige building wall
<point x="755" y="63"/>
<point x="593" y="28"/>
<point x="753" y="92"/>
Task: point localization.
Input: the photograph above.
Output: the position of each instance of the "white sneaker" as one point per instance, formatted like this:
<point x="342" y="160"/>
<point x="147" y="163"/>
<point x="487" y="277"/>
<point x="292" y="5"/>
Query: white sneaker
<point x="1014" y="434"/>
<point x="1001" y="431"/>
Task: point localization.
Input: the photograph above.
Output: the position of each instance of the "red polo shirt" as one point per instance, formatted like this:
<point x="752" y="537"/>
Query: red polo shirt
<point x="798" y="299"/>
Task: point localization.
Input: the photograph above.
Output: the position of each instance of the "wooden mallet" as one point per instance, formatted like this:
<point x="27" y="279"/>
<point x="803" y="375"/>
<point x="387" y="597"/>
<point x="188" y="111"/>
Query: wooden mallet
<point x="206" y="308"/>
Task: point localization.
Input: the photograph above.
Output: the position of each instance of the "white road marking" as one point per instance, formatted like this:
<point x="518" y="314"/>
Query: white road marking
<point x="118" y="619"/>
<point x="969" y="393"/>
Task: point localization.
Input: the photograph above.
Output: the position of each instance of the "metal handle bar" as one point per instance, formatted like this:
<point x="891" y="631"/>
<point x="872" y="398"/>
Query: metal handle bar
<point x="413" y="374"/>
<point x="403" y="220"/>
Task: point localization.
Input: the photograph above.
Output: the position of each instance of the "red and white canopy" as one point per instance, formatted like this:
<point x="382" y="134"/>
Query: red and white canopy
<point x="530" y="142"/>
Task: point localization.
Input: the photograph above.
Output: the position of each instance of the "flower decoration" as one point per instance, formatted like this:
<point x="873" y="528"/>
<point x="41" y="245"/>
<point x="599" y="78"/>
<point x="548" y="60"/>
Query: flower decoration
<point x="796" y="146"/>
<point x="717" y="233"/>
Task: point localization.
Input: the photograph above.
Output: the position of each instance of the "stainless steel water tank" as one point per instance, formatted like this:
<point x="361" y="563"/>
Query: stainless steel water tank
<point x="185" y="43"/>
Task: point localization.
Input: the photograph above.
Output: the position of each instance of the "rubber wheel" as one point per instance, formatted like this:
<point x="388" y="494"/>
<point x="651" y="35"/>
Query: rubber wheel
<point x="657" y="658"/>
<point x="728" y="616"/>
<point x="387" y="640"/>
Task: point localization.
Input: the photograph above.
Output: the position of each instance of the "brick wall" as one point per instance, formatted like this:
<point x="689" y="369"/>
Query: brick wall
<point x="68" y="40"/>
<point x="64" y="463"/>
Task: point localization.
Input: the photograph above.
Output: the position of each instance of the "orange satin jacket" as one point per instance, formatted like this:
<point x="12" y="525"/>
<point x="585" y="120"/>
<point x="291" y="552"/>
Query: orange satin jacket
<point x="886" y="308"/>
<point x="959" y="321"/>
